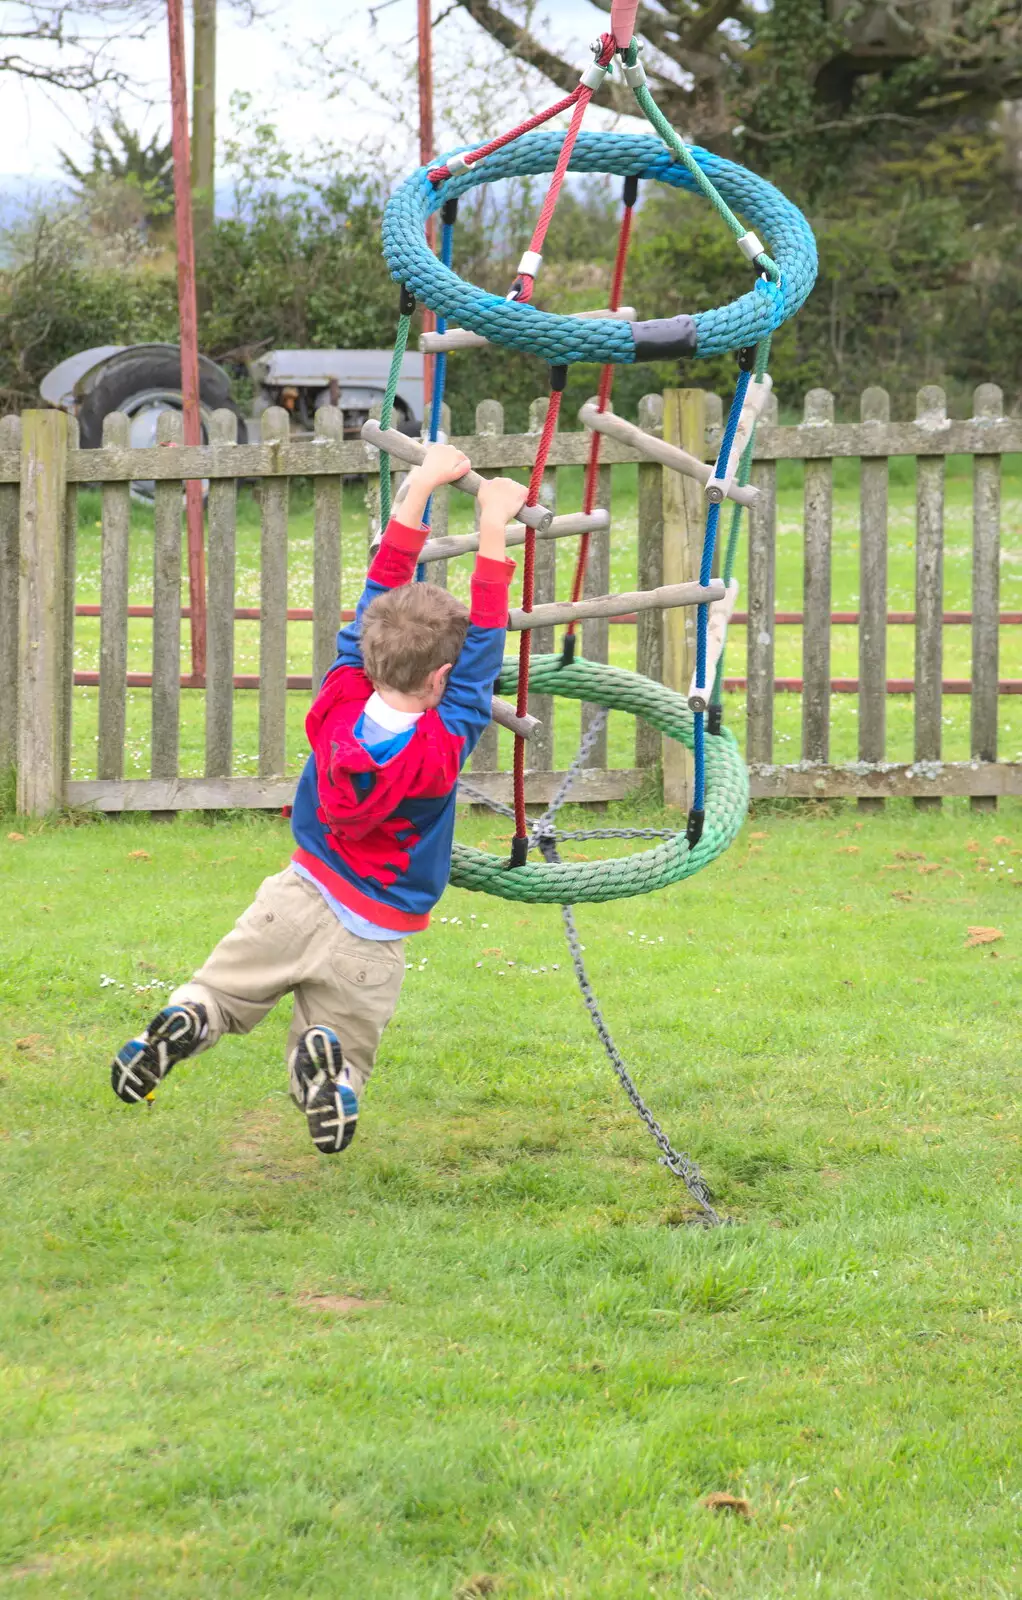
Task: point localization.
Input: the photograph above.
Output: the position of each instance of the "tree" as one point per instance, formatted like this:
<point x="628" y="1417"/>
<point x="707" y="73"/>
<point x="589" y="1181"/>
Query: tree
<point x="776" y="78"/>
<point x="122" y="158"/>
<point x="60" y="44"/>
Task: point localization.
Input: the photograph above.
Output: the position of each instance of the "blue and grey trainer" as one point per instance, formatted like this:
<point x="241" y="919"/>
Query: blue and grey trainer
<point x="320" y="1086"/>
<point x="174" y="1033"/>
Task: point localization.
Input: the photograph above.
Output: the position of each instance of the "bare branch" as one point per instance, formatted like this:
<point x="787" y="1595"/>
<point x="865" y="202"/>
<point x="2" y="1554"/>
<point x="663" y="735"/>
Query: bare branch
<point x="518" y="41"/>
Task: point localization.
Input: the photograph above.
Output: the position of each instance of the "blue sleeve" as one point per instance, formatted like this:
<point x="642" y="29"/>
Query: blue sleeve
<point x="349" y="649"/>
<point x="465" y="707"/>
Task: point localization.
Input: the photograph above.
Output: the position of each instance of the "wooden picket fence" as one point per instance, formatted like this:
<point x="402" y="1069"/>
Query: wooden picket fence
<point x="41" y="469"/>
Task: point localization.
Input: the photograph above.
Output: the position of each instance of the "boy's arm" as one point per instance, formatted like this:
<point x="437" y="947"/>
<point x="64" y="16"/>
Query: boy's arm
<point x="465" y="707"/>
<point x="397" y="557"/>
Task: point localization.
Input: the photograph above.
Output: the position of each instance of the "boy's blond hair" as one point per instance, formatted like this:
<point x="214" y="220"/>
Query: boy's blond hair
<point x="409" y="632"/>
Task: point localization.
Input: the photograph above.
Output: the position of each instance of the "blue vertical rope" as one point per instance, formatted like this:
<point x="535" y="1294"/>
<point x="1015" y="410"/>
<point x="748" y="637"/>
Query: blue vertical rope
<point x="436" y="411"/>
<point x="705" y="574"/>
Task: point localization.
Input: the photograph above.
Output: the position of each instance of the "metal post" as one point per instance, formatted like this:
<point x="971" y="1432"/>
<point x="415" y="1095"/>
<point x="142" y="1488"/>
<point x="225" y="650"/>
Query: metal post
<point x="426" y="153"/>
<point x="188" y="325"/>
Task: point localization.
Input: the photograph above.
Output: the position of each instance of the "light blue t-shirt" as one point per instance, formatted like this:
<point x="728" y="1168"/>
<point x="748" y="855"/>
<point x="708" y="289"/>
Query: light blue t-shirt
<point x="383" y="731"/>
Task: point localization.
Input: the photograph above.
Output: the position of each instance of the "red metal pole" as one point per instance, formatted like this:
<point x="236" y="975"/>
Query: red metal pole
<point x="189" y="331"/>
<point x="426" y="154"/>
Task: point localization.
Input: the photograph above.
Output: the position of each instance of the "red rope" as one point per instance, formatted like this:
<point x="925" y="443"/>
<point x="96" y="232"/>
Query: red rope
<point x="543" y="221"/>
<point x="439" y="174"/>
<point x="546" y="441"/>
<point x="592" y="479"/>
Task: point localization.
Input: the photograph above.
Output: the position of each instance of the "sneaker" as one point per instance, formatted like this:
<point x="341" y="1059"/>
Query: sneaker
<point x="174" y="1033"/>
<point x="319" y="1085"/>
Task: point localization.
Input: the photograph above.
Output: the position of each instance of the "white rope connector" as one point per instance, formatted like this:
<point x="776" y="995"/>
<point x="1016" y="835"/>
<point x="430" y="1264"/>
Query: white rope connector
<point x="530" y="264"/>
<point x="456" y="165"/>
<point x="751" y="246"/>
<point x="635" y="75"/>
<point x="594" y="75"/>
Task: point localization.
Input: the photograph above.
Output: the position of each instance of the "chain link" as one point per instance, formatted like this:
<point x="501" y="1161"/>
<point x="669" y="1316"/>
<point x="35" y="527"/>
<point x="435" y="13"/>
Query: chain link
<point x="545" y="837"/>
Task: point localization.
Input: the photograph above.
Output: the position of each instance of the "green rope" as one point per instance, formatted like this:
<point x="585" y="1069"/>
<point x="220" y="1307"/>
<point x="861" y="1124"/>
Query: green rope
<point x="387" y="412"/>
<point x="561" y="883"/>
<point x="679" y="149"/>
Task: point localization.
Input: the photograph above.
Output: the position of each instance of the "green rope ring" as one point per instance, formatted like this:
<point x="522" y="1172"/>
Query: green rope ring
<point x="727" y="797"/>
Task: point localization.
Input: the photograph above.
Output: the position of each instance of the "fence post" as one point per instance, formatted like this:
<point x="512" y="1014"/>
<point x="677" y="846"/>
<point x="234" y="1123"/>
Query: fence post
<point x="875" y="412"/>
<point x="540" y="749"/>
<point x="649" y="628"/>
<point x="818" y="499"/>
<point x="684" y="506"/>
<point x="113" y="622"/>
<point x="44" y="661"/>
<point x="276" y="431"/>
<point x="988" y="403"/>
<point x="326" y="553"/>
<point x="596" y="631"/>
<point x="220" y="586"/>
<point x="166" y="691"/>
<point x="929" y="652"/>
<point x="10" y="441"/>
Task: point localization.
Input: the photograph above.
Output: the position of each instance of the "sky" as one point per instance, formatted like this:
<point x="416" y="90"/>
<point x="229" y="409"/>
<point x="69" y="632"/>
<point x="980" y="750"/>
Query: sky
<point x="274" y="59"/>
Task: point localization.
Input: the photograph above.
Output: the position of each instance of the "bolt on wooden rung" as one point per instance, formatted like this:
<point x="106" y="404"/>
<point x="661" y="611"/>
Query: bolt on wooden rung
<point x="560" y="528"/>
<point x="668" y="455"/>
<point x="410" y="450"/>
<point x="617" y="605"/>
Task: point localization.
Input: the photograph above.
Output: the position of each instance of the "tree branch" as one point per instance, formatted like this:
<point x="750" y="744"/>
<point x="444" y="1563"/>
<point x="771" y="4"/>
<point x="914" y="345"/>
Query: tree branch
<point x="518" y="41"/>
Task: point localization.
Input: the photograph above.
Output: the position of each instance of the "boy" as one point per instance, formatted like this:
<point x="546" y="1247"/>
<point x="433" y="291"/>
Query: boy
<point x="398" y="715"/>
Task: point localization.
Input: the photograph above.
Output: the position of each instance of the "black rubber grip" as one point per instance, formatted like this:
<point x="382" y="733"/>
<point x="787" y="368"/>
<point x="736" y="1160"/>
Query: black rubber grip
<point x="519" y="852"/>
<point x="665" y="339"/>
<point x="558" y="379"/>
<point x="449" y="213"/>
<point x="407" y="302"/>
<point x="631" y="190"/>
<point x="694" y="831"/>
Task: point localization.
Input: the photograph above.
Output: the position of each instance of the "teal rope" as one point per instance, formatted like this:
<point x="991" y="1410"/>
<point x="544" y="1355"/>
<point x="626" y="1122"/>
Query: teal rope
<point x="680" y="150"/>
<point x="387" y="413"/>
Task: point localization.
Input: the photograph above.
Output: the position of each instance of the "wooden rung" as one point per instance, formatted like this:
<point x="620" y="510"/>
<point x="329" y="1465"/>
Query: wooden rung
<point x="756" y="397"/>
<point x="668" y="455"/>
<point x="410" y="450"/>
<point x="507" y="717"/>
<point x="560" y="528"/>
<point x="435" y="344"/>
<point x="721" y="612"/>
<point x="617" y="605"/>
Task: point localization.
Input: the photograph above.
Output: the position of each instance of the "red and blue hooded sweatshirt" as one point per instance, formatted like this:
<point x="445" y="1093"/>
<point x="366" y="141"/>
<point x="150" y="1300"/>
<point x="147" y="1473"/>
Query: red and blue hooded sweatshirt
<point x="376" y="830"/>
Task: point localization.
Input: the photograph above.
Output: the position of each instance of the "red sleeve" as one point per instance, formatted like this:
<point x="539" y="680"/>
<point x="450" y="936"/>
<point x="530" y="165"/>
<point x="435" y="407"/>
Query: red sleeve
<point x="491" y="581"/>
<point x="395" y="561"/>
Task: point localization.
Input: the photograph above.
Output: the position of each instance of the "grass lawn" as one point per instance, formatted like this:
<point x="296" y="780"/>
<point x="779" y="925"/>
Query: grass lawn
<point x="484" y="1352"/>
<point x="844" y="733"/>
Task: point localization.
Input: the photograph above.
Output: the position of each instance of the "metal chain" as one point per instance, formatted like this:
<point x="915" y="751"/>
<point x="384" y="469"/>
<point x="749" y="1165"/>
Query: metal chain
<point x="545" y="836"/>
<point x="681" y="1165"/>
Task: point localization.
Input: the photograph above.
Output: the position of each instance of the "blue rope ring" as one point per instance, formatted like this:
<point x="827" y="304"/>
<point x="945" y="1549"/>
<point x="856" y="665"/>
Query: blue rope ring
<point x="562" y="340"/>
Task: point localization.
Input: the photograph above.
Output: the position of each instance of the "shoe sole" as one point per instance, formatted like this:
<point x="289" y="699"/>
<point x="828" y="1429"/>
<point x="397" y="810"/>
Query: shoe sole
<point x="141" y="1065"/>
<point x="331" y="1105"/>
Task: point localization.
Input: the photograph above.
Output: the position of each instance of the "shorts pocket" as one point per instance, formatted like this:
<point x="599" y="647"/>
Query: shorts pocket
<point x="366" y="972"/>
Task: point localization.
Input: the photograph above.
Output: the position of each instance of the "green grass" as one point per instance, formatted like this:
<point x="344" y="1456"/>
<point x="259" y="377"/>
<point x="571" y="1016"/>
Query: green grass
<point x="901" y="576"/>
<point x="550" y="1368"/>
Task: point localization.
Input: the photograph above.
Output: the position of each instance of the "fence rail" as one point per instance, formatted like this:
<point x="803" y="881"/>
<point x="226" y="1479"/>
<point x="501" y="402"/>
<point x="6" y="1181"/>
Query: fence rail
<point x="42" y="469"/>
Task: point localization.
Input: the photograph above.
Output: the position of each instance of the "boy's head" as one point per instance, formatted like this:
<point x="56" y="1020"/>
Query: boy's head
<point x="411" y="637"/>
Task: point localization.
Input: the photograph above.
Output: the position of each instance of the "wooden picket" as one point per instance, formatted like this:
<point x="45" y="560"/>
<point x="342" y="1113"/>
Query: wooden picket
<point x="41" y="469"/>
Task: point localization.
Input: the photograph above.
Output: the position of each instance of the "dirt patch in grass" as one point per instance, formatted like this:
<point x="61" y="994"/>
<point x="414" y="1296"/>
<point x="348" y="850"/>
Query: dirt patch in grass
<point x="264" y="1148"/>
<point x="341" y="1305"/>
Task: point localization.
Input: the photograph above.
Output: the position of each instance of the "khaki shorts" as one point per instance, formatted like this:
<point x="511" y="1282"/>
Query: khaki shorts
<point x="290" y="942"/>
